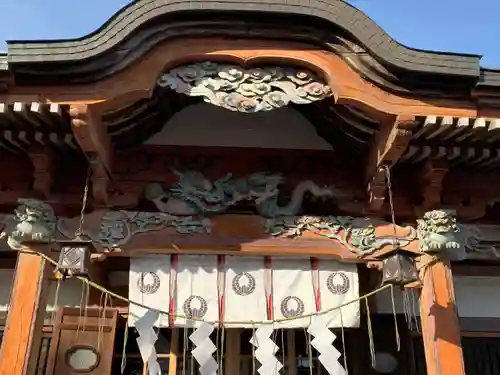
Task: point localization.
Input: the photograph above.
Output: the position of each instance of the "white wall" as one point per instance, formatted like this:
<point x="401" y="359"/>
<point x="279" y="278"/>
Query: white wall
<point x="477" y="297"/>
<point x="70" y="292"/>
<point x="208" y="125"/>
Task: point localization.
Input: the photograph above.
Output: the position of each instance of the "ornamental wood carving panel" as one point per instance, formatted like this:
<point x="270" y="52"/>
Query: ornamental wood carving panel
<point x="82" y="344"/>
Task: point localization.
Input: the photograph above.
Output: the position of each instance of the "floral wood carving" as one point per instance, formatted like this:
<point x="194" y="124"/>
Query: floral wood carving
<point x="356" y="234"/>
<point x="118" y="227"/>
<point x="245" y="90"/>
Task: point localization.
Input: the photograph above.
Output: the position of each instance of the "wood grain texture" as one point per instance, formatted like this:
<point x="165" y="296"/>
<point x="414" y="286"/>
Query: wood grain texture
<point x="22" y="336"/>
<point x="440" y="323"/>
<point x="140" y="78"/>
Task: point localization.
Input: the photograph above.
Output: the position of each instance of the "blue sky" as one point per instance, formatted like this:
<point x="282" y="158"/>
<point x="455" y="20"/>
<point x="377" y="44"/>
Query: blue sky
<point x="446" y="25"/>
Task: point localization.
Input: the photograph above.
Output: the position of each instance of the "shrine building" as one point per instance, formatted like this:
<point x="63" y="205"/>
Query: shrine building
<point x="247" y="187"/>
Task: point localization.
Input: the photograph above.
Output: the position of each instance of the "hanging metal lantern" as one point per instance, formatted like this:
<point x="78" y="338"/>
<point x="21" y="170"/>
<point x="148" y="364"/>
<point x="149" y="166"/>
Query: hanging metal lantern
<point x="399" y="268"/>
<point x="74" y="257"/>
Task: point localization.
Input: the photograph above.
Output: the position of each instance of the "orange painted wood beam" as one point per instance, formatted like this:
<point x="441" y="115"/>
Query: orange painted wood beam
<point x="243" y="235"/>
<point x="23" y="333"/>
<point x="440" y="323"/>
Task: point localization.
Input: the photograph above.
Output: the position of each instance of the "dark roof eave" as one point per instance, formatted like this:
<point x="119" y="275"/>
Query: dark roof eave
<point x="337" y="12"/>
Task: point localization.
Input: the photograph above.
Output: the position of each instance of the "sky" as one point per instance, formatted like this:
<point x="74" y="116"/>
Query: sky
<point x="445" y="25"/>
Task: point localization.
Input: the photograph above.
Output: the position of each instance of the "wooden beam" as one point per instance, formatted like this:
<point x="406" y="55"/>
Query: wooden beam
<point x="92" y="137"/>
<point x="440" y="323"/>
<point x="22" y="337"/>
<point x="389" y="145"/>
<point x="234" y="234"/>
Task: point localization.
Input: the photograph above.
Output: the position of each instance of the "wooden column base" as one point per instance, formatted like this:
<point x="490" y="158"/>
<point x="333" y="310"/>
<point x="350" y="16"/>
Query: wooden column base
<point x="440" y="324"/>
<point x="28" y="301"/>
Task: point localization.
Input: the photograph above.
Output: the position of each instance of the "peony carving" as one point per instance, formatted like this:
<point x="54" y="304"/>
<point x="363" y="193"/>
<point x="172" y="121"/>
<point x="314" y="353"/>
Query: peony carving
<point x="245" y="90"/>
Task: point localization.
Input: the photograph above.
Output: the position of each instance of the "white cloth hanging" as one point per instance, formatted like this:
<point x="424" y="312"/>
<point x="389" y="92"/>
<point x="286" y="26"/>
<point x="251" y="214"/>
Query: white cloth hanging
<point x="293" y="293"/>
<point x="245" y="295"/>
<point x="149" y="285"/>
<point x="196" y="292"/>
<point x="338" y="284"/>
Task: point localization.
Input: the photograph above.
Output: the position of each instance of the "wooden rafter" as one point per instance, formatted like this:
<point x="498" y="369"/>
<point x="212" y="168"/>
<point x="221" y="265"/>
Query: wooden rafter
<point x="92" y="137"/>
<point x="390" y="143"/>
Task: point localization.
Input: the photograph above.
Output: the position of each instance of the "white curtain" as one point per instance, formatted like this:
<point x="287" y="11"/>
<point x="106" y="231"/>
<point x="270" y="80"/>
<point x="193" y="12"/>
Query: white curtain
<point x="245" y="295"/>
<point x="149" y="285"/>
<point x="196" y="293"/>
<point x="338" y="284"/>
<point x="293" y="292"/>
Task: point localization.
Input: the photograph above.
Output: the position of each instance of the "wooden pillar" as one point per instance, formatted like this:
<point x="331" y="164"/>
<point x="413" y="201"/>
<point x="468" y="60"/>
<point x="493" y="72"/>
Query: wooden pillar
<point x="291" y="355"/>
<point x="232" y="352"/>
<point x="28" y="301"/>
<point x="174" y="352"/>
<point x="440" y="324"/>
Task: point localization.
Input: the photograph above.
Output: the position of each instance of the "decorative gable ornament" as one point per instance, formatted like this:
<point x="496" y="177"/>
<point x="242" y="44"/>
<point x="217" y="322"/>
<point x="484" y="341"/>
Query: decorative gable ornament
<point x="245" y="90"/>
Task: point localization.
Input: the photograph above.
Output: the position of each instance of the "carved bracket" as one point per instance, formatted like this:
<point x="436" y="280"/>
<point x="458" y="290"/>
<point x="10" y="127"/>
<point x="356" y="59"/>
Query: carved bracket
<point x="390" y="143"/>
<point x="245" y="90"/>
<point x="92" y="137"/>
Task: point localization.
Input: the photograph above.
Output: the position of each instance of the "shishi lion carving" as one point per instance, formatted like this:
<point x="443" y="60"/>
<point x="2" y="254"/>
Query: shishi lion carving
<point x="33" y="220"/>
<point x="438" y="232"/>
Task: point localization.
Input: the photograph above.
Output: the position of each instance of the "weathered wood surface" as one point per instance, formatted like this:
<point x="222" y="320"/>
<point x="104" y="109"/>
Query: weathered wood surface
<point x="22" y="336"/>
<point x="240" y="234"/>
<point x="440" y="323"/>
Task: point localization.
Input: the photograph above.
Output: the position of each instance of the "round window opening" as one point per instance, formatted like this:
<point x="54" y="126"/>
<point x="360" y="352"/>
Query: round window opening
<point x="82" y="359"/>
<point x="385" y="363"/>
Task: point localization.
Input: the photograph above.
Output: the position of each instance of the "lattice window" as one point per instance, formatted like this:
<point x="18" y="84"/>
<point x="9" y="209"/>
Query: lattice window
<point x="481" y="354"/>
<point x="41" y="367"/>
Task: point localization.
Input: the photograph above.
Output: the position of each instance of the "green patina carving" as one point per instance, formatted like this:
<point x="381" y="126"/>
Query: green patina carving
<point x="356" y="234"/>
<point x="119" y="227"/>
<point x="194" y="194"/>
<point x="438" y="231"/>
<point x="33" y="221"/>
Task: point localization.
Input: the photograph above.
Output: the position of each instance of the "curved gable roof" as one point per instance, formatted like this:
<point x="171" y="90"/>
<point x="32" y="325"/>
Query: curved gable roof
<point x="337" y="12"/>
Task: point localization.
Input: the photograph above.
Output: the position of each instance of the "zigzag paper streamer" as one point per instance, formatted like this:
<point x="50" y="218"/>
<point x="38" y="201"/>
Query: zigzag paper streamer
<point x="204" y="349"/>
<point x="146" y="341"/>
<point x="266" y="349"/>
<point x="322" y="342"/>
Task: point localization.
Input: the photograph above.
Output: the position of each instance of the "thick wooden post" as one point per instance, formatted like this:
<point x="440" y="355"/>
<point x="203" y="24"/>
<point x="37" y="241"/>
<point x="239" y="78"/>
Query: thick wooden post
<point x="28" y="301"/>
<point x="440" y="324"/>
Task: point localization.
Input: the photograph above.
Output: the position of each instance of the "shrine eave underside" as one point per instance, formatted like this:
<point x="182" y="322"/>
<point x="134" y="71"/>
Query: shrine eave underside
<point x="334" y="26"/>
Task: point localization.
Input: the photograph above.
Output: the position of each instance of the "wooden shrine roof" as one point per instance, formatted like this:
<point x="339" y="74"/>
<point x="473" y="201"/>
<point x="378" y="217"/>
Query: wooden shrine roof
<point x="334" y="25"/>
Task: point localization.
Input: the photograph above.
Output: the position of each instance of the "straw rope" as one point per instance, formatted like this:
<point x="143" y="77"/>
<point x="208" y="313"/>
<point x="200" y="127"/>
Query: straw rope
<point x="163" y="312"/>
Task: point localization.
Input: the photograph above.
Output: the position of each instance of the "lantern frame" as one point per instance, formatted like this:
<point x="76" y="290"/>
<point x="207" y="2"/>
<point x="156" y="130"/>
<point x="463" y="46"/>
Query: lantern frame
<point x="399" y="268"/>
<point x="74" y="256"/>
